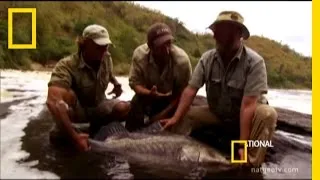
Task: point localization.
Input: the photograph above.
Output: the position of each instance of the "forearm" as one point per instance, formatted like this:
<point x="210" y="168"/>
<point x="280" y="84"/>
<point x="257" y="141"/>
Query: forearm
<point x="185" y="101"/>
<point x="246" y="116"/>
<point x="60" y="113"/>
<point x="114" y="80"/>
<point x="140" y="90"/>
<point x="173" y="104"/>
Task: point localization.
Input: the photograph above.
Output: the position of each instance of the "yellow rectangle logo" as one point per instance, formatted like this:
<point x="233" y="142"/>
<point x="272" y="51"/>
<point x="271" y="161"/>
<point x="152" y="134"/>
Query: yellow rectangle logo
<point x="245" y="143"/>
<point x="33" y="12"/>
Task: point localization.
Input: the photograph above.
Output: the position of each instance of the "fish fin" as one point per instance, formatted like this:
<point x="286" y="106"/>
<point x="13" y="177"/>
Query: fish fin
<point x="196" y="173"/>
<point x="153" y="128"/>
<point x="110" y="129"/>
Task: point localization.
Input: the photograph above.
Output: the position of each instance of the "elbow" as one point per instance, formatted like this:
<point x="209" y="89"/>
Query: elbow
<point x="249" y="102"/>
<point x="49" y="104"/>
<point x="190" y="91"/>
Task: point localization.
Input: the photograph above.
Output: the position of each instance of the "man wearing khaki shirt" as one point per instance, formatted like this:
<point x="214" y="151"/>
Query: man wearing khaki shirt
<point x="77" y="86"/>
<point x="236" y="79"/>
<point x="159" y="72"/>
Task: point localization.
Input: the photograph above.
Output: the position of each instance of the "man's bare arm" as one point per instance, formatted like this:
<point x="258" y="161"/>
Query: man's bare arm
<point x="140" y="90"/>
<point x="58" y="101"/>
<point x="164" y="113"/>
<point x="248" y="107"/>
<point x="114" y="80"/>
<point x="186" y="100"/>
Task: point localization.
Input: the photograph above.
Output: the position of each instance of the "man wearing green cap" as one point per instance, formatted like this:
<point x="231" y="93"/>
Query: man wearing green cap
<point x="77" y="88"/>
<point x="236" y="79"/>
<point x="159" y="72"/>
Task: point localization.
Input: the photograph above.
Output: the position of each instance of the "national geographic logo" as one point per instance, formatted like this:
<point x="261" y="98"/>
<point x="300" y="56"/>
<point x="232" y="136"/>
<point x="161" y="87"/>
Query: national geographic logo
<point x="246" y="144"/>
<point x="33" y="12"/>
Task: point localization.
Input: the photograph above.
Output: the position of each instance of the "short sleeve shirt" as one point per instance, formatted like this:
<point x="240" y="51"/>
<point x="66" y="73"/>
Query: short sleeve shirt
<point x="89" y="85"/>
<point x="245" y="75"/>
<point x="145" y="72"/>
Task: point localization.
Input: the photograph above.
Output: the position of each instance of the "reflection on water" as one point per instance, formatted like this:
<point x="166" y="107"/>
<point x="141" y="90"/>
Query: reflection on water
<point x="26" y="152"/>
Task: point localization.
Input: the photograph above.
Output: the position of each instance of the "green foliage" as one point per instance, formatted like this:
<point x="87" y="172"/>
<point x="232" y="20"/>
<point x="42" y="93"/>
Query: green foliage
<point x="80" y="25"/>
<point x="59" y="23"/>
<point x="11" y="58"/>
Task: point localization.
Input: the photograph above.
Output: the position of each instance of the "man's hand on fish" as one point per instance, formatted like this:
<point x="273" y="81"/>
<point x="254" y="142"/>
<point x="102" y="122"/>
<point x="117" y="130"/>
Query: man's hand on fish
<point x="82" y="142"/>
<point x="117" y="90"/>
<point x="167" y="123"/>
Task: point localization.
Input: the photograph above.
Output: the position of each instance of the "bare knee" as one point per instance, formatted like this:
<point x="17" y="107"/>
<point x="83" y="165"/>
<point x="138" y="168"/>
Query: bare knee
<point x="121" y="108"/>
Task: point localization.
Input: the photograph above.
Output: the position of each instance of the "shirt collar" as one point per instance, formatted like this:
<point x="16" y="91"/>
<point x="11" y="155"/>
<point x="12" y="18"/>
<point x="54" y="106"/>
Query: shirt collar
<point x="83" y="64"/>
<point x="237" y="56"/>
<point x="151" y="58"/>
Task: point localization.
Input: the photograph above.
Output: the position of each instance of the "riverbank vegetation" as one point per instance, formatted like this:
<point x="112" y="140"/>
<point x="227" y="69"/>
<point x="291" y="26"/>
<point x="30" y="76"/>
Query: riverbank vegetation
<point x="59" y="23"/>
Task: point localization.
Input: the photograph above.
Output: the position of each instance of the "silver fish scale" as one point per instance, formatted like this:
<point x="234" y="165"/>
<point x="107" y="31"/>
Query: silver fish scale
<point x="164" y="148"/>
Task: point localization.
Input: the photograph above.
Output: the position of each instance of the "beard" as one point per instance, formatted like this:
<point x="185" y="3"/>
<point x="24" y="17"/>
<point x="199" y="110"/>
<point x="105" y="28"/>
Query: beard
<point x="161" y="58"/>
<point x="95" y="64"/>
<point x="226" y="47"/>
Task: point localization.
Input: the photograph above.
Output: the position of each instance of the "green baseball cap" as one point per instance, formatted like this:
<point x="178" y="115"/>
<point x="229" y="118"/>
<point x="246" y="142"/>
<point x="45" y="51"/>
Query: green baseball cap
<point x="97" y="33"/>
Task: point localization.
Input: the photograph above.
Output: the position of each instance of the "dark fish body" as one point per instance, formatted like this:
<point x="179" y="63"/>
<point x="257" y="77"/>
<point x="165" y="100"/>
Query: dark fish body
<point x="152" y="147"/>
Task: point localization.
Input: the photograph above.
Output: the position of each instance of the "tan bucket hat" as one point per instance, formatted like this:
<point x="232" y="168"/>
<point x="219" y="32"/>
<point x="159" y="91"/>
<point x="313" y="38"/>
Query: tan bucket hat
<point x="232" y="17"/>
<point x="97" y="33"/>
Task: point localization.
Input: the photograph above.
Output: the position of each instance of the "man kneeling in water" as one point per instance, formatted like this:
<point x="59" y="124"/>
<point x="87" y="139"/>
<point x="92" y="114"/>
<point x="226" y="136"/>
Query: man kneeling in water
<point x="77" y="88"/>
<point x="236" y="79"/>
<point x="159" y="72"/>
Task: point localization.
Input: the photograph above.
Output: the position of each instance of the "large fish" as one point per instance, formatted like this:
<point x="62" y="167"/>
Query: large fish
<point x="151" y="147"/>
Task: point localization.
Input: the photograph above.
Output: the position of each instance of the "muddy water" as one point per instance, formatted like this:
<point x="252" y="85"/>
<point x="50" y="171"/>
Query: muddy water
<point x="26" y="152"/>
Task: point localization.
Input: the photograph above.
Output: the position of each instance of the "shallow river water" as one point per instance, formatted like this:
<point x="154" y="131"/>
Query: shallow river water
<point x="26" y="152"/>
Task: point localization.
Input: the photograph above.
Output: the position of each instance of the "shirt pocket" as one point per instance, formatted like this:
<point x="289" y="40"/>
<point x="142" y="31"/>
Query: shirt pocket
<point x="236" y="88"/>
<point x="104" y="81"/>
<point x="87" y="86"/>
<point x="213" y="88"/>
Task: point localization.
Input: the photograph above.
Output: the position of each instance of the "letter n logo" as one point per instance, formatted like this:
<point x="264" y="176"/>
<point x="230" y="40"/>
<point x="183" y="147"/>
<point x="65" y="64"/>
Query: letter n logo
<point x="245" y="143"/>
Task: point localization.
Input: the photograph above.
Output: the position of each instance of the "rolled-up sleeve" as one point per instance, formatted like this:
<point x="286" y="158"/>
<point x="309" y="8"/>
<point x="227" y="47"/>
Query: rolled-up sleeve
<point x="183" y="75"/>
<point x="198" y="77"/>
<point x="110" y="65"/>
<point x="256" y="83"/>
<point x="136" y="73"/>
<point x="61" y="75"/>
<point x="112" y="77"/>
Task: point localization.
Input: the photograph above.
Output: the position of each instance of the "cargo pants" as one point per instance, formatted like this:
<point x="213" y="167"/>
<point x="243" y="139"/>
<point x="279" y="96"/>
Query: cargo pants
<point x="262" y="127"/>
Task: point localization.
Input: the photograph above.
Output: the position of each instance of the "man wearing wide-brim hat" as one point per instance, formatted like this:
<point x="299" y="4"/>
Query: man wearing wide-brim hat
<point x="236" y="79"/>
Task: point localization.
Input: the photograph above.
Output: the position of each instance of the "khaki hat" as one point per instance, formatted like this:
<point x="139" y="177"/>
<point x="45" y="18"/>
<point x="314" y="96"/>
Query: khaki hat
<point x="158" y="34"/>
<point x="232" y="17"/>
<point x="97" y="33"/>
